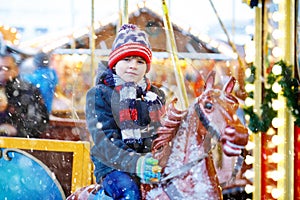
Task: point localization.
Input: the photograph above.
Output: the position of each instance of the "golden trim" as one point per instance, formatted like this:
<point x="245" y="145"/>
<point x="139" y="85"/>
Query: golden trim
<point x="258" y="37"/>
<point x="287" y="25"/>
<point x="81" y="166"/>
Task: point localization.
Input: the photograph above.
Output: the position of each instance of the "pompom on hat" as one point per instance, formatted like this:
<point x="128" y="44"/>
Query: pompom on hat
<point x="130" y="41"/>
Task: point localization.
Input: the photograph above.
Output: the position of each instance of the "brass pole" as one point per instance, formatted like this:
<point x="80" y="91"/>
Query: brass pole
<point x="286" y="131"/>
<point x="257" y="151"/>
<point x="173" y="53"/>
<point x="92" y="42"/>
<point x="123" y="13"/>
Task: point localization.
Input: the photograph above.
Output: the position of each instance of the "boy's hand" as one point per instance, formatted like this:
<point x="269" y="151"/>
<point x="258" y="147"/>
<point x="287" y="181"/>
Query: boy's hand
<point x="148" y="169"/>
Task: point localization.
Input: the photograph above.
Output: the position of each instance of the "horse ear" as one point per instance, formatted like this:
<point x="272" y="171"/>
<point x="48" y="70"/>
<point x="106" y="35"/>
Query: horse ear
<point x="228" y="87"/>
<point x="210" y="80"/>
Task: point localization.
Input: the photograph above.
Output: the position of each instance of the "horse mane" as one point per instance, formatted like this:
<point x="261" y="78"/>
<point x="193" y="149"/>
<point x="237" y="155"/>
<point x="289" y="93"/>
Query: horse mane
<point x="161" y="146"/>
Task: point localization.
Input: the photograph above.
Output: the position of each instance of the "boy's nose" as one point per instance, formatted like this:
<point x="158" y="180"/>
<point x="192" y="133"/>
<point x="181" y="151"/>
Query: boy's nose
<point x="133" y="63"/>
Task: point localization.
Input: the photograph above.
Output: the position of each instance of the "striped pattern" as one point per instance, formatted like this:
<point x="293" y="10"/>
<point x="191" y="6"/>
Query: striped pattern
<point x="130" y="41"/>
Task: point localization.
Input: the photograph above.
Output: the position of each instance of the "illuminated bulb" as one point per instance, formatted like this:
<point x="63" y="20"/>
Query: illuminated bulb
<point x="16" y="42"/>
<point x="277" y="104"/>
<point x="249" y="173"/>
<point x="249" y="188"/>
<point x="271" y="131"/>
<point x="269" y="188"/>
<point x="13" y="30"/>
<point x="277" y="175"/>
<point x="250" y="145"/>
<point x="248" y="72"/>
<point x="250" y="52"/>
<point x="277" y="1"/>
<point x="277" y="122"/>
<point x="276" y="193"/>
<point x="249" y="87"/>
<point x="249" y="58"/>
<point x="276" y="157"/>
<point x="276" y="140"/>
<point x="277" y="52"/>
<point x="277" y="34"/>
<point x="270" y="145"/>
<point x="277" y="16"/>
<point x="250" y="30"/>
<point x="247" y="117"/>
<point x="249" y="101"/>
<point x="276" y="69"/>
<point x="269" y="174"/>
<point x="249" y="160"/>
<point x="276" y="87"/>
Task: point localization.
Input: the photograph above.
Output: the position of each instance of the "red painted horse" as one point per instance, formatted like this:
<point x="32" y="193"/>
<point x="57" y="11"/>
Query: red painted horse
<point x="185" y="142"/>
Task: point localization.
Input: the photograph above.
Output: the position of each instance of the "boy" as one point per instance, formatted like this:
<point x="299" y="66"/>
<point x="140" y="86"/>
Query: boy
<point x="123" y="113"/>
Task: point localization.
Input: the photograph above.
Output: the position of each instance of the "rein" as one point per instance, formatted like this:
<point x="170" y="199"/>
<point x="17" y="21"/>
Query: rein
<point x="214" y="133"/>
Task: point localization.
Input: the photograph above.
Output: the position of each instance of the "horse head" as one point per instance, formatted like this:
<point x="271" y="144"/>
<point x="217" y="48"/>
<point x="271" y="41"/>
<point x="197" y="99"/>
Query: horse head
<point x="213" y="114"/>
<point x="217" y="109"/>
<point x="186" y="139"/>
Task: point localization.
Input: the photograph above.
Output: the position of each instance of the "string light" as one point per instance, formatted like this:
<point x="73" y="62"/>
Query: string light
<point x="248" y="72"/>
<point x="276" y="87"/>
<point x="277" y="122"/>
<point x="249" y="160"/>
<point x="249" y="174"/>
<point x="249" y="87"/>
<point x="276" y="70"/>
<point x="275" y="157"/>
<point x="249" y="188"/>
<point x="250" y="145"/>
<point x="249" y="102"/>
<point x="277" y="52"/>
<point x="277" y="104"/>
<point x="276" y="139"/>
<point x="277" y="16"/>
<point x="277" y="34"/>
<point x="276" y="193"/>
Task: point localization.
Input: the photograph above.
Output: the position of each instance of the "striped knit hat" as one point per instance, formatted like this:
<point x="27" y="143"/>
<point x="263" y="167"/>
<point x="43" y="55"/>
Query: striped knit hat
<point x="130" y="41"/>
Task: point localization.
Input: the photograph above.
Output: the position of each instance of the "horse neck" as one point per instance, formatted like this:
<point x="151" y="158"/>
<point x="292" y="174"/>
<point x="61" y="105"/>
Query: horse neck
<point x="187" y="145"/>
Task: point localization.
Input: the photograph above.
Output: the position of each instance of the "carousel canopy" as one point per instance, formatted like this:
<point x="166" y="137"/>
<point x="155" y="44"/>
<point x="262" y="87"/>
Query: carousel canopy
<point x="78" y="41"/>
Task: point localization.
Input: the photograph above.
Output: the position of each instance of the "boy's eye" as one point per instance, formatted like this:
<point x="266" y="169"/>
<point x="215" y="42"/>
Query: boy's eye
<point x="141" y="62"/>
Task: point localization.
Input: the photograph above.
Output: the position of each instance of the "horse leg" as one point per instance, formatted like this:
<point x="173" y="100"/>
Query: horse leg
<point x="161" y="195"/>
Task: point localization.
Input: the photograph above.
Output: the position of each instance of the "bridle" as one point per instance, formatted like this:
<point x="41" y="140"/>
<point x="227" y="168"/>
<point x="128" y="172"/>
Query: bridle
<point x="213" y="133"/>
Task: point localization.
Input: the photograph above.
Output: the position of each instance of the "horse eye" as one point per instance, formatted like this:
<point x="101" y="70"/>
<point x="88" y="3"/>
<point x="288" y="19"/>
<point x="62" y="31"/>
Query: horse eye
<point x="208" y="105"/>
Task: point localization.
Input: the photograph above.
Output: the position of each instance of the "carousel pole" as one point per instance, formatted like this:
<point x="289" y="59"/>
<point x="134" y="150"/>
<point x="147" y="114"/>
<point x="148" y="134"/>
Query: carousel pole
<point x="173" y="53"/>
<point x="92" y="42"/>
<point x="257" y="138"/>
<point x="123" y="13"/>
<point x="286" y="130"/>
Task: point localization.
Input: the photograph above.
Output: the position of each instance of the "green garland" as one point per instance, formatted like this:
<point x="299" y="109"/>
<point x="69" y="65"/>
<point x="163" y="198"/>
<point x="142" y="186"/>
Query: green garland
<point x="290" y="87"/>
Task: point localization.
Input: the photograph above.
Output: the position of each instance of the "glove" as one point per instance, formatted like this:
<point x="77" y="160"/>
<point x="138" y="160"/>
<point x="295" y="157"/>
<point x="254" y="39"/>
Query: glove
<point x="148" y="170"/>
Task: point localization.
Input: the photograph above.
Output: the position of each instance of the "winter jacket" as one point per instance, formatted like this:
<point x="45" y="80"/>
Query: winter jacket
<point x="26" y="110"/>
<point x="45" y="79"/>
<point x="109" y="151"/>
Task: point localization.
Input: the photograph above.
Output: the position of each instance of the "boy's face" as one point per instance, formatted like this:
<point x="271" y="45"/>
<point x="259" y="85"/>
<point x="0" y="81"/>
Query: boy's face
<point x="131" y="69"/>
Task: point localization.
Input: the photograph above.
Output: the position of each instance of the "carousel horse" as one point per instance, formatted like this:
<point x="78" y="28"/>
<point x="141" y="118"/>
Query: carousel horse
<point x="184" y="145"/>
